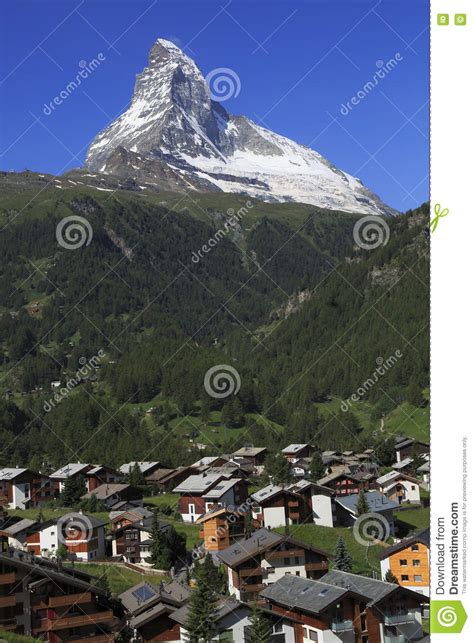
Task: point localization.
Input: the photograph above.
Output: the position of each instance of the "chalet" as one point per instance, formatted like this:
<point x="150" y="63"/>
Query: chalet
<point x="99" y="475"/>
<point x="23" y="488"/>
<point x="347" y="607"/>
<point x="210" y="461"/>
<point x="294" y="452"/>
<point x="166" y="479"/>
<point x="54" y="604"/>
<point x="346" y="508"/>
<point x="221" y="527"/>
<point x="146" y="468"/>
<point x="112" y="495"/>
<point x="265" y="557"/>
<point x="201" y="493"/>
<point x="275" y="506"/>
<point x="399" y="487"/>
<point x="409" y="562"/>
<point x="83" y="536"/>
<point x="131" y="541"/>
<point x="301" y="468"/>
<point x="70" y="470"/>
<point x="252" y="455"/>
<point x="409" y="447"/>
<point x="14" y="531"/>
<point x="319" y="503"/>
<point x="344" y="482"/>
<point x="128" y="516"/>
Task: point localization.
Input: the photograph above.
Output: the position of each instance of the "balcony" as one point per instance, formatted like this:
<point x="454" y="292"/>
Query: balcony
<point x="254" y="571"/>
<point x="399" y="619"/>
<point x="342" y="626"/>
<point x="316" y="567"/>
<point x="7" y="601"/>
<point x="248" y="587"/>
<point x="7" y="579"/>
<point x="62" y="623"/>
<point x="289" y="553"/>
<point x="70" y="599"/>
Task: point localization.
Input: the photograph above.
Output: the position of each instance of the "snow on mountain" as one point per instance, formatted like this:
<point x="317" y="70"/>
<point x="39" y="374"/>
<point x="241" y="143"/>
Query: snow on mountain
<point x="175" y="136"/>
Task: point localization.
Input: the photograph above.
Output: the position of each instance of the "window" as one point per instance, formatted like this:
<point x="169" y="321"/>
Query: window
<point x="404" y="577"/>
<point x="278" y="627"/>
<point x="297" y="560"/>
<point x="287" y="573"/>
<point x="413" y="487"/>
<point x="313" y="636"/>
<point x="257" y="510"/>
<point x="415" y="547"/>
<point x="417" y="578"/>
<point x="403" y="562"/>
<point x="297" y="573"/>
<point x="304" y="632"/>
<point x="416" y="563"/>
<point x="270" y="570"/>
<point x="286" y="561"/>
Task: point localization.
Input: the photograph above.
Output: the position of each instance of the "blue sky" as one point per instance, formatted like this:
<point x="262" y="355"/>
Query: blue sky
<point x="298" y="61"/>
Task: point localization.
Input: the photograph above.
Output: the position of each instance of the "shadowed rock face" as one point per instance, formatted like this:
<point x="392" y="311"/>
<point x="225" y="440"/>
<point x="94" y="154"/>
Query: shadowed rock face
<point x="175" y="136"/>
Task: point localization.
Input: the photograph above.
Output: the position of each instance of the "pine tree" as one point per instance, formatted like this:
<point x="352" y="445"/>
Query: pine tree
<point x="159" y="556"/>
<point x="362" y="506"/>
<point x="277" y="468"/>
<point x="260" y="629"/>
<point x="201" y="621"/>
<point x="317" y="468"/>
<point x="390" y="577"/>
<point x="74" y="489"/>
<point x="135" y="476"/>
<point x="343" y="560"/>
<point x="211" y="574"/>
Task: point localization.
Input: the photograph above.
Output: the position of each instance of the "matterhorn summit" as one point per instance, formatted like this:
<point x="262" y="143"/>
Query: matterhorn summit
<point x="176" y="136"/>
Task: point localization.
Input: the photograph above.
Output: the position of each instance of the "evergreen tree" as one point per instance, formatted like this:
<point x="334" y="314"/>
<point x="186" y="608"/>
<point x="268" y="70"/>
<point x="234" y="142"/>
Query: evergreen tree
<point x="201" y="621"/>
<point x="74" y="489"/>
<point x="260" y="629"/>
<point x="135" y="476"/>
<point x="211" y="574"/>
<point x="277" y="468"/>
<point x="343" y="560"/>
<point x="362" y="506"/>
<point x="317" y="468"/>
<point x="391" y="578"/>
<point x="160" y="558"/>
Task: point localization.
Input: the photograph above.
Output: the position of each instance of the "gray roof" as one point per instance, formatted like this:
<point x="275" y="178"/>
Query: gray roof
<point x="267" y="492"/>
<point x="421" y="537"/>
<point x="143" y="466"/>
<point x="134" y="600"/>
<point x="377" y="502"/>
<point x="373" y="589"/>
<point x="221" y="488"/>
<point x="293" y="448"/>
<point x="199" y="483"/>
<point x="69" y="470"/>
<point x="10" y="473"/>
<point x="309" y="595"/>
<point x="249" y="452"/>
<point x="18" y="527"/>
<point x="104" y="491"/>
<point x="148" y="615"/>
<point x="246" y="548"/>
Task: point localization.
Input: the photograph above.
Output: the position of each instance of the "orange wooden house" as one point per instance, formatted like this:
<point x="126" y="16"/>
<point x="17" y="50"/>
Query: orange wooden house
<point x="409" y="562"/>
<point x="221" y="527"/>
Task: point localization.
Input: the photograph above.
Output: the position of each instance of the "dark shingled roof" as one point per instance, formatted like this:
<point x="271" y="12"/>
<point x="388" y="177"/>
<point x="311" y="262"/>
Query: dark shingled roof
<point x="225" y="605"/>
<point x="308" y="595"/>
<point x="421" y="537"/>
<point x="373" y="589"/>
<point x="246" y="548"/>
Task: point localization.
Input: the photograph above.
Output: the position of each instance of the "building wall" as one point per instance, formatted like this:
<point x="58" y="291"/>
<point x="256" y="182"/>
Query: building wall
<point x="273" y="517"/>
<point x="393" y="563"/>
<point x="322" y="510"/>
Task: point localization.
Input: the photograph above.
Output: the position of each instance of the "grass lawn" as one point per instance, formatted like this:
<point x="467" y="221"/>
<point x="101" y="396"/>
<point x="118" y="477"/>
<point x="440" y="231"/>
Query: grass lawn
<point x="15" y="638"/>
<point x="53" y="513"/>
<point x="410" y="520"/>
<point x="163" y="499"/>
<point x="120" y="578"/>
<point x="190" y="530"/>
<point x="364" y="559"/>
<point x="409" y="420"/>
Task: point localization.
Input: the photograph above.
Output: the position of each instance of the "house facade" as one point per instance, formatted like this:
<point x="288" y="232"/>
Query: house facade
<point x="83" y="536"/>
<point x="409" y="561"/>
<point x="346" y="607"/>
<point x="23" y="488"/>
<point x="203" y="492"/>
<point x="319" y="502"/>
<point x="275" y="506"/>
<point x="399" y="487"/>
<point x="132" y="541"/>
<point x="265" y="557"/>
<point x="294" y="452"/>
<point x="346" y="509"/>
<point x="221" y="527"/>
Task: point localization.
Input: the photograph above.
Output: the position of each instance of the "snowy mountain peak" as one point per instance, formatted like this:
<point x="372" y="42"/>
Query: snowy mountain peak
<point x="174" y="135"/>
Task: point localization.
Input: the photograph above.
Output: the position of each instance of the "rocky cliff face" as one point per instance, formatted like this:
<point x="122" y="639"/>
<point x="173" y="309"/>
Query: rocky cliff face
<point x="175" y="136"/>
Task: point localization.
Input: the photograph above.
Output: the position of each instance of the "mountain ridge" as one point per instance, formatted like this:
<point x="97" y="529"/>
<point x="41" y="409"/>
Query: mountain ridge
<point x="174" y="134"/>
